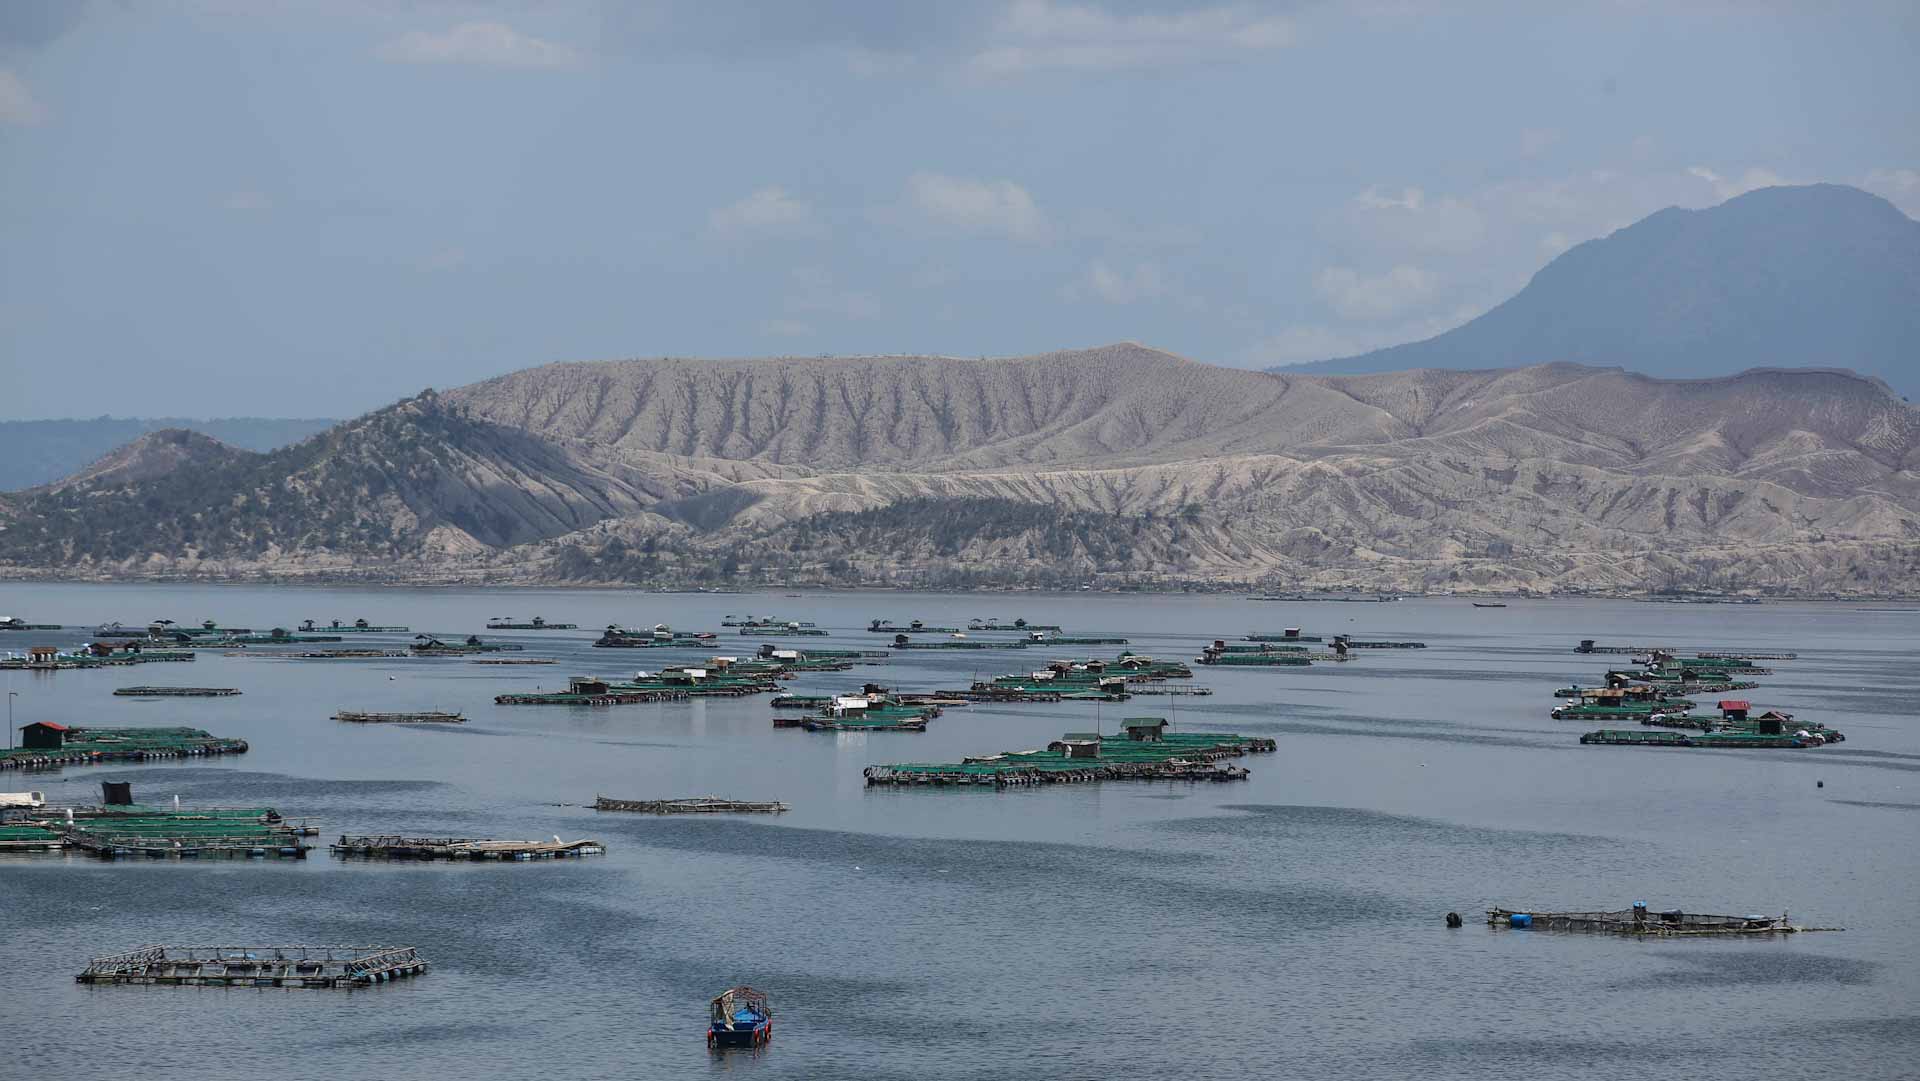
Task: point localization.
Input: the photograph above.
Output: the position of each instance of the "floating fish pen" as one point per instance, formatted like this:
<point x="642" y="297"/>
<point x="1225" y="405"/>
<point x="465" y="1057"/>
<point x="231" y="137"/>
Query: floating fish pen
<point x="886" y="626"/>
<point x="1039" y="639"/>
<point x="1291" y="634"/>
<point x="1016" y="625"/>
<point x="434" y="647"/>
<point x="45" y="744"/>
<point x="1170" y="689"/>
<point x="50" y="660"/>
<point x="691" y="805"/>
<point x="587" y="691"/>
<point x="1254" y="660"/>
<point x="783" y="632"/>
<point x="865" y="656"/>
<point x="218" y="833"/>
<point x="1639" y="920"/>
<point x="30" y="837"/>
<point x="986" y="692"/>
<point x="258" y="966"/>
<point x="1739" y="739"/>
<point x="619" y="638"/>
<point x="331" y="655"/>
<point x="1374" y="643"/>
<point x="535" y="624"/>
<point x="802" y="701"/>
<point x="359" y="626"/>
<point x="8" y="623"/>
<point x="1147" y="752"/>
<point x="1588" y="645"/>
<point x="425" y="716"/>
<point x="175" y="692"/>
<point x="764" y="621"/>
<point x="278" y="638"/>
<point x="874" y="721"/>
<point x="1616" y="710"/>
<point x="516" y="660"/>
<point x="390" y="847"/>
<point x="901" y="641"/>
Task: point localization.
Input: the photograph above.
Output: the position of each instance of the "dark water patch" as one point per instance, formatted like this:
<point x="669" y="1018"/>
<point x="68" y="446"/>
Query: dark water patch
<point x="1513" y="1056"/>
<point x="1352" y="825"/>
<point x="1876" y="803"/>
<point x="229" y="785"/>
<point x="1755" y="965"/>
<point x="1372" y="728"/>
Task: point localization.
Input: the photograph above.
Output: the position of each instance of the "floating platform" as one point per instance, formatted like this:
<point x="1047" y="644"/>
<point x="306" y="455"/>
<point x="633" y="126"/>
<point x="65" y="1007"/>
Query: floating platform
<point x="1039" y="639"/>
<point x="537" y="624"/>
<point x="1169" y="689"/>
<point x="11" y="624"/>
<point x="387" y="846"/>
<point x="176" y="692"/>
<point x="65" y="661"/>
<point x="1374" y="643"/>
<point x="1147" y="753"/>
<point x="1016" y="625"/>
<point x="129" y="831"/>
<point x="434" y="647"/>
<point x="1639" y="920"/>
<point x="783" y="632"/>
<point x="1588" y="645"/>
<point x="1254" y="660"/>
<point x="690" y="805"/>
<point x="902" y="642"/>
<point x="425" y="716"/>
<point x="1289" y="635"/>
<point x="886" y="626"/>
<point x="358" y="626"/>
<point x="258" y="966"/>
<point x="516" y="660"/>
<point x="1738" y="740"/>
<point x="330" y="655"/>
<point x="85" y="745"/>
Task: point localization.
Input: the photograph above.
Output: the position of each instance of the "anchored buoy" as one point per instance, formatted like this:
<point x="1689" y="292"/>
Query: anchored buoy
<point x="1819" y="784"/>
<point x="1453" y="919"/>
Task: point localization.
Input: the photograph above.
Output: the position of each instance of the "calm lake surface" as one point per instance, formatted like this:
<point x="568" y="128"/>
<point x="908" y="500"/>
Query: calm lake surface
<point x="1288" y="926"/>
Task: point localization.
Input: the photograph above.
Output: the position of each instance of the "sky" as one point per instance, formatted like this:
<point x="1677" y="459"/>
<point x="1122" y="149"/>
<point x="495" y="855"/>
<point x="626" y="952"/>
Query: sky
<point x="276" y="208"/>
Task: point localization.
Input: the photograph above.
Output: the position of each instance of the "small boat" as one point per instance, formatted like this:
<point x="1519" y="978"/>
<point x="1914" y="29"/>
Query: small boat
<point x="1488" y="604"/>
<point x="741" y="1018"/>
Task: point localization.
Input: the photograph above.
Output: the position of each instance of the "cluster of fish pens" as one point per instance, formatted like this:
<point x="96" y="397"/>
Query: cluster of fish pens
<point x="257" y="966"/>
<point x="1654" y="694"/>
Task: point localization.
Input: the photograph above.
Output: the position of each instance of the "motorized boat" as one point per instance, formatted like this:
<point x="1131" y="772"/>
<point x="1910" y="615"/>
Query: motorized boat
<point x="741" y="1017"/>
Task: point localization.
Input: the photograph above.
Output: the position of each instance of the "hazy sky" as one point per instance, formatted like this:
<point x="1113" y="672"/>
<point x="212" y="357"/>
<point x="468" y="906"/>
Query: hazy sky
<point x="303" y="209"/>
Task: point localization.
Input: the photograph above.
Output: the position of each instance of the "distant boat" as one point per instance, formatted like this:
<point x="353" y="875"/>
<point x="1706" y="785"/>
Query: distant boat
<point x="740" y="1018"/>
<point x="1489" y="604"/>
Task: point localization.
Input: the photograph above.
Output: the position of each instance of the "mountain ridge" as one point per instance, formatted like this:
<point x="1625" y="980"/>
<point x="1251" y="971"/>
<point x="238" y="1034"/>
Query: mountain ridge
<point x="1783" y="276"/>
<point x="1552" y="476"/>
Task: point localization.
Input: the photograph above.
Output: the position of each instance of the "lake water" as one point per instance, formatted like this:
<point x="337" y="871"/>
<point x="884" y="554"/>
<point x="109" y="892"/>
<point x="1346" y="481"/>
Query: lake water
<point x="1288" y="926"/>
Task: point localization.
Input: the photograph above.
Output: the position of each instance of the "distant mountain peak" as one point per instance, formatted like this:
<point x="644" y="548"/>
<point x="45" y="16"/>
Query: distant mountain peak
<point x="1817" y="275"/>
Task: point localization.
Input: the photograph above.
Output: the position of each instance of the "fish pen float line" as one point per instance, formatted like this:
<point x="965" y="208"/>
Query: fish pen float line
<point x="693" y="805"/>
<point x="344" y="967"/>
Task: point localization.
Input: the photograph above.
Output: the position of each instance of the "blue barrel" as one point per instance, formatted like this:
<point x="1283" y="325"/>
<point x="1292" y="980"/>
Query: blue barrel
<point x="1520" y="920"/>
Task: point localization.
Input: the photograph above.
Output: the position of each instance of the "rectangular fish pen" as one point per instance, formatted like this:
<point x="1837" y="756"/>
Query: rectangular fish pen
<point x="1146" y="753"/>
<point x="176" y="692"/>
<point x="392" y="847"/>
<point x="1639" y="920"/>
<point x="236" y="833"/>
<point x="425" y="716"/>
<point x="257" y="966"/>
<point x="691" y="805"/>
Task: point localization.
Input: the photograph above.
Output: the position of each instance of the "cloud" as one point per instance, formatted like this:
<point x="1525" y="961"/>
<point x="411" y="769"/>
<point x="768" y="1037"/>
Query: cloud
<point x="17" y="103"/>
<point x="1033" y="35"/>
<point x="977" y="206"/>
<point x="1144" y="281"/>
<point x="816" y="293"/>
<point x="246" y="201"/>
<point x="767" y="210"/>
<point x="1446" y="224"/>
<point x="1727" y="187"/>
<point x="786" y="328"/>
<point x="1901" y="187"/>
<point x="489" y="44"/>
<point x="1355" y="296"/>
